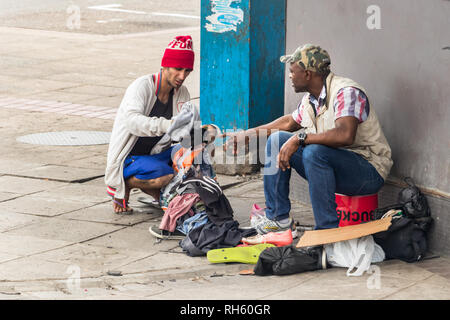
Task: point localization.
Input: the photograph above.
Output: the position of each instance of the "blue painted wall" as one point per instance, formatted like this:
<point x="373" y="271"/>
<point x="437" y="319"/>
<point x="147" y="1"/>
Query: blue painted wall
<point x="241" y="77"/>
<point x="268" y="43"/>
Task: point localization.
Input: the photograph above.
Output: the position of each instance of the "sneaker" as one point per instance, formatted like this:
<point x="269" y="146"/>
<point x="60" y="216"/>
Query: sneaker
<point x="279" y="239"/>
<point x="166" y="235"/>
<point x="266" y="225"/>
<point x="257" y="211"/>
<point x="149" y="202"/>
<point x="256" y="215"/>
<point x="319" y="253"/>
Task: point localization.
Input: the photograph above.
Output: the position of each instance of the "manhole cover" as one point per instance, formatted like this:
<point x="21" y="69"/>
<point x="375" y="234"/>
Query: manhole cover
<point x="67" y="138"/>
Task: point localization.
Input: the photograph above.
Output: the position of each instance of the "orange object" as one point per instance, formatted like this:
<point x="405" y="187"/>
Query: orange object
<point x="188" y="158"/>
<point x="277" y="238"/>
<point x="352" y="210"/>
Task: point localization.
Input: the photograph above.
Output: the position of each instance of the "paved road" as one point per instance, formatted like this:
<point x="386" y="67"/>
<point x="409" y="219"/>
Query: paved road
<point x="100" y="17"/>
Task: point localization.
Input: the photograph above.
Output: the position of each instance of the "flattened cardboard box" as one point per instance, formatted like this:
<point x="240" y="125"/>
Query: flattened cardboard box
<point x="317" y="237"/>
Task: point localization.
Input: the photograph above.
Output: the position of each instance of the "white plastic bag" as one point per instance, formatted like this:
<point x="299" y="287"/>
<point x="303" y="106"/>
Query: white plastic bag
<point x="355" y="253"/>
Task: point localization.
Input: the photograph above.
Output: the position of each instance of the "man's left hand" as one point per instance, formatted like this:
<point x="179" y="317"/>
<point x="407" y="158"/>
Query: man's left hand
<point x="287" y="150"/>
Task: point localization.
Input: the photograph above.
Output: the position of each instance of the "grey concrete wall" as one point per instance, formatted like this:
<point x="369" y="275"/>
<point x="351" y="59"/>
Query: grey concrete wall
<point x="405" y="67"/>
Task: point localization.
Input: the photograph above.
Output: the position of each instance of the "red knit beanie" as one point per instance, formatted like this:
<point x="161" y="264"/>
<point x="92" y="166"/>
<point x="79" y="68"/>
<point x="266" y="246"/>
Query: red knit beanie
<point x="179" y="53"/>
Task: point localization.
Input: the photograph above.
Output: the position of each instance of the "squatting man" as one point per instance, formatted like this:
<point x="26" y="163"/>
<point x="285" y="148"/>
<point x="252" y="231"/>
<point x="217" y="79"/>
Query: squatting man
<point x="144" y="116"/>
<point x="340" y="147"/>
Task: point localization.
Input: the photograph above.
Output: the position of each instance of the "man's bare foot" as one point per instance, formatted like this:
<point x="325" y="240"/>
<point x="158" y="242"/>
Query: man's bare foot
<point x="121" y="206"/>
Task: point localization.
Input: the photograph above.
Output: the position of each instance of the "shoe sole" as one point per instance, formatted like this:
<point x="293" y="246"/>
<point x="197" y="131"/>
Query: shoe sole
<point x="160" y="236"/>
<point x="324" y="259"/>
<point x="149" y="203"/>
<point x="294" y="232"/>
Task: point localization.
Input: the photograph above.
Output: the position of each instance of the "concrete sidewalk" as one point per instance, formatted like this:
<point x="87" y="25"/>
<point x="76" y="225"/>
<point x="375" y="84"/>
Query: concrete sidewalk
<point x="59" y="238"/>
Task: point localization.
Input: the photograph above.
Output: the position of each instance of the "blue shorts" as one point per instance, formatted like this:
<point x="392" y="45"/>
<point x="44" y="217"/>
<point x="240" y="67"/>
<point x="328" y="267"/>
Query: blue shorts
<point x="149" y="167"/>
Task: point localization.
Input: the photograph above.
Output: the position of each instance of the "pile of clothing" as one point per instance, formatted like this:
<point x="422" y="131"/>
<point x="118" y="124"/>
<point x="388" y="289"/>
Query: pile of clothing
<point x="195" y="206"/>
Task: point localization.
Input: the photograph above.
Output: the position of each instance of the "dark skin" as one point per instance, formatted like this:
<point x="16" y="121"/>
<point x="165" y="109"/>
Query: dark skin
<point x="171" y="78"/>
<point x="302" y="81"/>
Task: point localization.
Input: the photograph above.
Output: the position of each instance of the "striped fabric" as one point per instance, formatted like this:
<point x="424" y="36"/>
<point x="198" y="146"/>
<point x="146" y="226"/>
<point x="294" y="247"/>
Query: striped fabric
<point x="110" y="191"/>
<point x="157" y="79"/>
<point x="349" y="102"/>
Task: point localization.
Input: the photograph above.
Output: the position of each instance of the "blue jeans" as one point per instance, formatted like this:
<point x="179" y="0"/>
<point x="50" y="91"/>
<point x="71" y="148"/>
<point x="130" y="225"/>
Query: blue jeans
<point x="327" y="170"/>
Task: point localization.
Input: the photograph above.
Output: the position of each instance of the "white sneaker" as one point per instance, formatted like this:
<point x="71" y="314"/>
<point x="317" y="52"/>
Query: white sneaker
<point x="266" y="225"/>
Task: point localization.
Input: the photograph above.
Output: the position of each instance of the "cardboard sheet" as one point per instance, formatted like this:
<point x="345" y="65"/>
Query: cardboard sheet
<point x="318" y="237"/>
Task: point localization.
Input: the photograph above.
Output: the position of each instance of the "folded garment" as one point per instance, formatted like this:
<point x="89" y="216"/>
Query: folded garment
<point x="211" y="236"/>
<point x="193" y="222"/>
<point x="179" y="206"/>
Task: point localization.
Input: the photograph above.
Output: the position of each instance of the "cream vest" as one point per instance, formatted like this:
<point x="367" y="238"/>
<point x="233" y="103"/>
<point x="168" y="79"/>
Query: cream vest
<point x="370" y="141"/>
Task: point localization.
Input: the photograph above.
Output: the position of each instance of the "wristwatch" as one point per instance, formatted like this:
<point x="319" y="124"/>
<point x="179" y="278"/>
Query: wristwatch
<point x="302" y="137"/>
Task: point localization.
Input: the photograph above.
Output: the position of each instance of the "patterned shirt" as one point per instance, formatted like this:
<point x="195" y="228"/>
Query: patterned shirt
<point x="349" y="102"/>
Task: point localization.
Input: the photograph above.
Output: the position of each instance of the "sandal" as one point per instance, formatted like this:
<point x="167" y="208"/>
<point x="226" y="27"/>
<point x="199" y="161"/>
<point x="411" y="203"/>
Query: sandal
<point x="248" y="255"/>
<point x="123" y="205"/>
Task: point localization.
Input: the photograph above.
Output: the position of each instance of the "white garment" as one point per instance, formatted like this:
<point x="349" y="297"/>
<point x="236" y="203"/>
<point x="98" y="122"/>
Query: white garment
<point x="132" y="122"/>
<point x="355" y="253"/>
<point x="183" y="123"/>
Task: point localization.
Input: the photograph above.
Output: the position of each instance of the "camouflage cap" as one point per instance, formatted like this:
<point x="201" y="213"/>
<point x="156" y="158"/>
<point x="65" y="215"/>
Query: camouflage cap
<point x="309" y="57"/>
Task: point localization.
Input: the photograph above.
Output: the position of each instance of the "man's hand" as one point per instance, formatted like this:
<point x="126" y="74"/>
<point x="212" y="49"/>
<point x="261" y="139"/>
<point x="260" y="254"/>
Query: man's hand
<point x="287" y="150"/>
<point x="235" y="139"/>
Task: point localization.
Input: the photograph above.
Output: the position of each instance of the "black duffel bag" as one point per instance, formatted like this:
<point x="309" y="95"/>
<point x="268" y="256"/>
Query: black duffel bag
<point x="406" y="239"/>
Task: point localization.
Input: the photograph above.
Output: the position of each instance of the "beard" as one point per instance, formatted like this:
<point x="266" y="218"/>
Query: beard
<point x="299" y="89"/>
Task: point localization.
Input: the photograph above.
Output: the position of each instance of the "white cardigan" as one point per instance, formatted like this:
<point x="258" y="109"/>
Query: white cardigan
<point x="132" y="122"/>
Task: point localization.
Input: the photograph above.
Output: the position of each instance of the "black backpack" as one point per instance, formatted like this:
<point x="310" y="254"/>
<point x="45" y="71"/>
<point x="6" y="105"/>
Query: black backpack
<point x="410" y="200"/>
<point x="406" y="238"/>
<point x="415" y="205"/>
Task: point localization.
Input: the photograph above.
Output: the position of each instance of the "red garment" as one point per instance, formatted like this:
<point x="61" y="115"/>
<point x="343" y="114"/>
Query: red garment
<point x="179" y="53"/>
<point x="179" y="206"/>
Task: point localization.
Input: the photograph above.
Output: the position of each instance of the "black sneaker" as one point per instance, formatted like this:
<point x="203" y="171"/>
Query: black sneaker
<point x="164" y="234"/>
<point x="320" y="254"/>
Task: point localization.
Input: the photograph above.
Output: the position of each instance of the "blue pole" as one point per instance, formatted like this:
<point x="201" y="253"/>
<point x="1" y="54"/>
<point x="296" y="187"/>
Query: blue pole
<point x="241" y="77"/>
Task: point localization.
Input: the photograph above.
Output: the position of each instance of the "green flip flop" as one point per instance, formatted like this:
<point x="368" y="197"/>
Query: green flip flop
<point x="247" y="255"/>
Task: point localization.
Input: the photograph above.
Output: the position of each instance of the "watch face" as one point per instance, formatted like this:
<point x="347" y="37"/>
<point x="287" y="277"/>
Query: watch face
<point x="301" y="137"/>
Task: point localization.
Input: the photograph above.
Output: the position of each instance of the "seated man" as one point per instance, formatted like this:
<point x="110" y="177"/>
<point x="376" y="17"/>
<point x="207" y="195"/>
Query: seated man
<point x="341" y="150"/>
<point x="143" y="117"/>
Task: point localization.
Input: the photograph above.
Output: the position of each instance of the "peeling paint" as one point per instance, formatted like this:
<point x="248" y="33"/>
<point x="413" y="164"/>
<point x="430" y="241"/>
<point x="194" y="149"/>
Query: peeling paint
<point x="226" y="16"/>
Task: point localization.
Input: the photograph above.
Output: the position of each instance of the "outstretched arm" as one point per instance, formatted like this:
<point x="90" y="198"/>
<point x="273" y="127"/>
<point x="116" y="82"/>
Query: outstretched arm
<point x="284" y="123"/>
